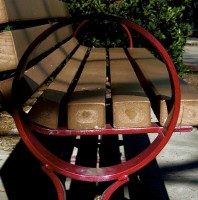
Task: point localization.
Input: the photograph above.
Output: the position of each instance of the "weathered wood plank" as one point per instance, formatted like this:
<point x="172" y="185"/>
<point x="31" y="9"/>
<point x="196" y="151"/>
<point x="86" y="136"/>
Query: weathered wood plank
<point x="11" y="10"/>
<point x="47" y="110"/>
<point x="5" y="88"/>
<point x="86" y="108"/>
<point x="189" y="105"/>
<point x="156" y="74"/>
<point x="131" y="107"/>
<point x="14" y="43"/>
<point x="8" y="57"/>
<point x="38" y="74"/>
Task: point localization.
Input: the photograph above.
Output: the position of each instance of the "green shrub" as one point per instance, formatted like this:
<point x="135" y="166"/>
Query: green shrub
<point x="166" y="20"/>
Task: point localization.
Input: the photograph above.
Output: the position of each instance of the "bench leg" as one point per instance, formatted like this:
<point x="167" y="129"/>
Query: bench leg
<point x="61" y="190"/>
<point x="56" y="181"/>
<point x="111" y="189"/>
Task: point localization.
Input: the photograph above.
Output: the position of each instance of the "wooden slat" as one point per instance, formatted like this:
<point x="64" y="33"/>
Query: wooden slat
<point x="131" y="107"/>
<point x="12" y="10"/>
<point x="38" y="74"/>
<point x="14" y="43"/>
<point x="156" y="74"/>
<point x="8" y="58"/>
<point x="189" y="105"/>
<point x="140" y="53"/>
<point x="5" y="88"/>
<point x="47" y="110"/>
<point x="86" y="108"/>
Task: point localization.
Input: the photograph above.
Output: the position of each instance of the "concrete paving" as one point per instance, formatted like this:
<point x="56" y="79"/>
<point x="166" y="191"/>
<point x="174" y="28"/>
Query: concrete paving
<point x="190" y="54"/>
<point x="3" y="157"/>
<point x="178" y="163"/>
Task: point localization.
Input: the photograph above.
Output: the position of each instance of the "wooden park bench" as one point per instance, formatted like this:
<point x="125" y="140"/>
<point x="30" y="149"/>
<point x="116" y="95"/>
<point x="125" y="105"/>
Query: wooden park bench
<point x="66" y="83"/>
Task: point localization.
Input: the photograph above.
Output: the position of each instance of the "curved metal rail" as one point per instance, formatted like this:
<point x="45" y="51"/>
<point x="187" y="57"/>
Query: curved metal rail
<point x="82" y="173"/>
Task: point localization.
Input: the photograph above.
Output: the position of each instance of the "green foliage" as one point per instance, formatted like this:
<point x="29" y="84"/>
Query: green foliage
<point x="166" y="20"/>
<point x="6" y="28"/>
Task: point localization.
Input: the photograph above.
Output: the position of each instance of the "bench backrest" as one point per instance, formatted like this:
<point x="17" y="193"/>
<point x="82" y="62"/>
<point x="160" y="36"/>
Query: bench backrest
<point x="34" y="17"/>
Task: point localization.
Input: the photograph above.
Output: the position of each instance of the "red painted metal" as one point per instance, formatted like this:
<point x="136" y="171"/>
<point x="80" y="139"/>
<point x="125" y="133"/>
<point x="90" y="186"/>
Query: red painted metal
<point x="58" y="185"/>
<point x="111" y="189"/>
<point x="109" y="130"/>
<point x="123" y="25"/>
<point x="116" y="172"/>
<point x="78" y="172"/>
<point x="80" y="27"/>
<point x="129" y="35"/>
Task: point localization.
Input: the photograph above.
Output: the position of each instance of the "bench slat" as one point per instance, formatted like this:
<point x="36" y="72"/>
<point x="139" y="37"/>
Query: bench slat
<point x="14" y="43"/>
<point x="86" y="108"/>
<point x="47" y="111"/>
<point x="156" y="74"/>
<point x="131" y="107"/>
<point x="6" y="85"/>
<point x="19" y="10"/>
<point x="38" y="74"/>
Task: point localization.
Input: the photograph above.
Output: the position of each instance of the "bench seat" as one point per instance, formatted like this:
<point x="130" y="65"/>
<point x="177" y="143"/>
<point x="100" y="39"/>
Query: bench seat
<point x="85" y="88"/>
<point x="85" y="101"/>
<point x="155" y="74"/>
<point x="76" y="97"/>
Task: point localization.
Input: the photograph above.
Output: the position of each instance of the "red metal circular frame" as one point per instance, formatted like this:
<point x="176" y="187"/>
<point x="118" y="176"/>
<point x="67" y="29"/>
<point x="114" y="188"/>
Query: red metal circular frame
<point x="113" y="172"/>
<point x="123" y="25"/>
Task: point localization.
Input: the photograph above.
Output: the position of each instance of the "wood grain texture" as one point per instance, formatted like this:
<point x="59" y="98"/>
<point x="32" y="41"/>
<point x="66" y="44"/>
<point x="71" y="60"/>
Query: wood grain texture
<point x="11" y="10"/>
<point x="156" y="74"/>
<point x="47" y="111"/>
<point x="86" y="108"/>
<point x="8" y="55"/>
<point x="3" y="12"/>
<point x="14" y="43"/>
<point x="6" y="87"/>
<point x="131" y="107"/>
<point x="38" y="74"/>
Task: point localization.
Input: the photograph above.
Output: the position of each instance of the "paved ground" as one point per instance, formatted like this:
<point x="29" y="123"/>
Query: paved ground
<point x="191" y="53"/>
<point x="3" y="157"/>
<point x="178" y="161"/>
<point x="174" y="174"/>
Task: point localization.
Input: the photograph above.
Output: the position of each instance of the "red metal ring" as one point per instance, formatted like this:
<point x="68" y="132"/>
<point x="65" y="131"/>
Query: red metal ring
<point x="123" y="25"/>
<point x="117" y="171"/>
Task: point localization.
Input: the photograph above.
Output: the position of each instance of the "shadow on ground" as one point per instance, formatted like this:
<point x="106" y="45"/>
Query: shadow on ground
<point x="23" y="179"/>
